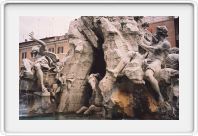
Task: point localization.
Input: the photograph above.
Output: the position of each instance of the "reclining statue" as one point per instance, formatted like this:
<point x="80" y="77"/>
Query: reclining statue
<point x="41" y="60"/>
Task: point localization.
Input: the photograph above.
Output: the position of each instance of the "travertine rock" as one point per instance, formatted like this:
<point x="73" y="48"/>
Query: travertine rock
<point x="117" y="37"/>
<point x="109" y="46"/>
<point x="77" y="68"/>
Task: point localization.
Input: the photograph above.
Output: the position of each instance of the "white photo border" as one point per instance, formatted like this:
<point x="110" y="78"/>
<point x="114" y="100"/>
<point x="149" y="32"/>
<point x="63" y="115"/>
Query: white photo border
<point x="3" y="59"/>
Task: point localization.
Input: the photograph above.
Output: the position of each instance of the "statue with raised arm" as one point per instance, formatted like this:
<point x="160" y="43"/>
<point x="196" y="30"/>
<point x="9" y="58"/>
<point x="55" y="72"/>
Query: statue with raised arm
<point x="42" y="60"/>
<point x="156" y="56"/>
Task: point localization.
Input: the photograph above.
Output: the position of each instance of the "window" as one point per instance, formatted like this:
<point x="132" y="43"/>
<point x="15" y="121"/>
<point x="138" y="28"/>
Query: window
<point x="60" y="49"/>
<point x="51" y="49"/>
<point x="24" y="55"/>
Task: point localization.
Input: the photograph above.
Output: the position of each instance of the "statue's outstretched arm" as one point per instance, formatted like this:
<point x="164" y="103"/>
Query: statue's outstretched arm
<point x="141" y="42"/>
<point x="147" y="48"/>
<point x="42" y="43"/>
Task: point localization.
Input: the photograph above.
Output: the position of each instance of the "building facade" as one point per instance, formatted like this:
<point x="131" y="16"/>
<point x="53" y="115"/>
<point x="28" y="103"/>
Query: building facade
<point x="56" y="44"/>
<point x="60" y="46"/>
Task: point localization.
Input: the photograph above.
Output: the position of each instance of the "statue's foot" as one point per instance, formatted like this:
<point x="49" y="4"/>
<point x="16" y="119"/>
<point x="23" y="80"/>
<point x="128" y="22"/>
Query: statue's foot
<point x="44" y="89"/>
<point x="164" y="106"/>
<point x="81" y="110"/>
<point x="90" y="110"/>
<point x="138" y="81"/>
<point x="45" y="92"/>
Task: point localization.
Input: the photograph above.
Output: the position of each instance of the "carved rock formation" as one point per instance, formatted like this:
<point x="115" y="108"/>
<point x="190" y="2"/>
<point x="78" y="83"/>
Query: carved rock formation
<point x="108" y="46"/>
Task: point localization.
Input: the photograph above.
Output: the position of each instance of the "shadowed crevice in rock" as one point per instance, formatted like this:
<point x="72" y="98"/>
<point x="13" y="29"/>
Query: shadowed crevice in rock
<point x="99" y="64"/>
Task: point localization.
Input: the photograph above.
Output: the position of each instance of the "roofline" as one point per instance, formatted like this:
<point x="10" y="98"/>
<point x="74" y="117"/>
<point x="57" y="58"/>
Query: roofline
<point x="29" y="45"/>
<point x="41" y="39"/>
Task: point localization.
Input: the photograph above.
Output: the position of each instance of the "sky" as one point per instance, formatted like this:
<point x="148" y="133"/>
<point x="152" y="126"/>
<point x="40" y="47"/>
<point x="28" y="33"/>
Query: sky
<point x="43" y="26"/>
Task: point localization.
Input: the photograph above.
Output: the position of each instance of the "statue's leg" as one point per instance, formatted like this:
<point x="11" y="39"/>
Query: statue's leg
<point x="119" y="67"/>
<point x="123" y="62"/>
<point x="39" y="74"/>
<point x="81" y="110"/>
<point x="91" y="109"/>
<point x="154" y="83"/>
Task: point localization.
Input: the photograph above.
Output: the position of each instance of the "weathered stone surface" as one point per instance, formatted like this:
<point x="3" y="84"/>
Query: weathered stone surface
<point x="109" y="47"/>
<point x="124" y="100"/>
<point x="78" y="67"/>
